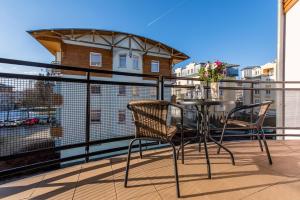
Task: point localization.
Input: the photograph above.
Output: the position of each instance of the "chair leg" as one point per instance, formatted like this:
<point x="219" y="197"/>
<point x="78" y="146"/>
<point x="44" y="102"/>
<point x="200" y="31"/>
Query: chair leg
<point x="141" y="151"/>
<point x="200" y="140"/>
<point x="128" y="162"/>
<point x="182" y="145"/>
<point x="266" y="146"/>
<point x="175" y="169"/>
<point x="259" y="140"/>
<point x="222" y="136"/>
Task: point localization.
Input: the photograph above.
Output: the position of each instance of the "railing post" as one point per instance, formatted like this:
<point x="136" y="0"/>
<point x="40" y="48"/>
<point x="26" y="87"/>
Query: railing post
<point x="283" y="110"/>
<point x="157" y="87"/>
<point x="87" y="122"/>
<point x="251" y="102"/>
<point x="207" y="88"/>
<point x="162" y="87"/>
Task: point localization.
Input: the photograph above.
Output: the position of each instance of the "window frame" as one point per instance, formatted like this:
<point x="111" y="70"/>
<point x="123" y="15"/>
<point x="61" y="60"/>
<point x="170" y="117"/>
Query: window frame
<point x="137" y="58"/>
<point x="96" y="93"/>
<point x="158" y="66"/>
<point x="96" y="111"/>
<point x="125" y="56"/>
<point x="120" y="113"/>
<point x="122" y="94"/>
<point x="100" y="62"/>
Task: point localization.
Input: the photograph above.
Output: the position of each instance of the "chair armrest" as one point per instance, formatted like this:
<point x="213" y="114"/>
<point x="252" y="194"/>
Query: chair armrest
<point x="245" y="107"/>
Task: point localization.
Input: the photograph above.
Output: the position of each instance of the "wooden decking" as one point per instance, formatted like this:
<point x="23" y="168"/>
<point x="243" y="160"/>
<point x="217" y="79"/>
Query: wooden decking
<point x="152" y="177"/>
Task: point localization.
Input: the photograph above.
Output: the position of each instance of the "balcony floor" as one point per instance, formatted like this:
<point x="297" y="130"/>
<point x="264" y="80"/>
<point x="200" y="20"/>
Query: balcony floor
<point x="152" y="177"/>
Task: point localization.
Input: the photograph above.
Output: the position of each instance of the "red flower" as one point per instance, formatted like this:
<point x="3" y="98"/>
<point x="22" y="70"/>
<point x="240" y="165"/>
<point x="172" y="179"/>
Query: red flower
<point x="218" y="63"/>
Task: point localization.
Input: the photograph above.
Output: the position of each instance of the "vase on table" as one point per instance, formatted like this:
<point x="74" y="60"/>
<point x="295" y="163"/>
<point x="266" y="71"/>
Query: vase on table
<point x="215" y="90"/>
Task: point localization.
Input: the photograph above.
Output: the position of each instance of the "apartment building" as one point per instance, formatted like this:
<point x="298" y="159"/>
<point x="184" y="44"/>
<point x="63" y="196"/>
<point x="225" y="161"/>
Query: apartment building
<point x="107" y="50"/>
<point x="266" y="72"/>
<point x="191" y="70"/>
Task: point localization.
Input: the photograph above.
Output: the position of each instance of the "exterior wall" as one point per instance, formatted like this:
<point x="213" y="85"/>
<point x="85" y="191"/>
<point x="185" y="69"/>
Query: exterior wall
<point x="76" y="55"/>
<point x="165" y="65"/>
<point x="292" y="69"/>
<point x="72" y="113"/>
<point x="265" y="72"/>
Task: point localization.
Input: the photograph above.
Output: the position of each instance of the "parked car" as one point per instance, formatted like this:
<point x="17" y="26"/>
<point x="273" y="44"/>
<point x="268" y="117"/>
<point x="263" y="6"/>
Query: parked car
<point x="1" y="124"/>
<point x="10" y="123"/>
<point x="31" y="121"/>
<point x="43" y="120"/>
<point x="19" y="122"/>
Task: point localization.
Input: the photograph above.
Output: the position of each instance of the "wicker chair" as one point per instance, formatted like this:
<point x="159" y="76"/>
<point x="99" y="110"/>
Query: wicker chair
<point x="150" y="118"/>
<point x="256" y="126"/>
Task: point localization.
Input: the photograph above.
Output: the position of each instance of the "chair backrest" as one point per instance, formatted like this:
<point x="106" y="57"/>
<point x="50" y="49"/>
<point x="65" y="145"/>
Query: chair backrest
<point x="150" y="118"/>
<point x="264" y="106"/>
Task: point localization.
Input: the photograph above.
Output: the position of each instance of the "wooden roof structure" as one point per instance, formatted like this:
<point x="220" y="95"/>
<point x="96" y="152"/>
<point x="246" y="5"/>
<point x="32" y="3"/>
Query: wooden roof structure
<point x="52" y="39"/>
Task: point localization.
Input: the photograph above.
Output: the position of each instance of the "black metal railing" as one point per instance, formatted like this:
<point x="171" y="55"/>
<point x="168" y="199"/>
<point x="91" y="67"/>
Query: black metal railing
<point x="47" y="119"/>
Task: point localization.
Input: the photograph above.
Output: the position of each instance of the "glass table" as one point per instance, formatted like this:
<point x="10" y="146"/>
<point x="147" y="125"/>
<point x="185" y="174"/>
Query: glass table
<point x="202" y="107"/>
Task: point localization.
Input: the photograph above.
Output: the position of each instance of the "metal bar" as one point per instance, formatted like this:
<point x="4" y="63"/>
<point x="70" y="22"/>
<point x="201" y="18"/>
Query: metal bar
<point x="162" y="88"/>
<point x="16" y="170"/>
<point x="233" y="88"/>
<point x="157" y="88"/>
<point x="75" y="80"/>
<point x="65" y="147"/>
<point x="72" y="68"/>
<point x="87" y="118"/>
<point x="233" y="81"/>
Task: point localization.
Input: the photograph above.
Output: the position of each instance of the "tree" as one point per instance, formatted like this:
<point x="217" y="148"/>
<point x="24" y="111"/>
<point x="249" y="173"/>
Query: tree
<point x="41" y="95"/>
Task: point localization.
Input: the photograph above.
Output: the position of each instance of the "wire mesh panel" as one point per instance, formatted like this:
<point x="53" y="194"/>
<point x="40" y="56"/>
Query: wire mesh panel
<point x="27" y="114"/>
<point x="110" y="117"/>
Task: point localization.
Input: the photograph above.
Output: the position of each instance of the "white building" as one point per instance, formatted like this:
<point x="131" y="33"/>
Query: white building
<point x="111" y="51"/>
<point x="266" y="72"/>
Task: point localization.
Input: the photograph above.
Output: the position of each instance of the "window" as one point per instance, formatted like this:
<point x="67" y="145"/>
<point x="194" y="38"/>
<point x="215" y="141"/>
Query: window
<point x="122" y="116"/>
<point x="256" y="91"/>
<point x="135" y="62"/>
<point x="257" y="101"/>
<point x="268" y="91"/>
<point x="96" y="89"/>
<point x="154" y="66"/>
<point x="95" y="59"/>
<point x="122" y="90"/>
<point x="122" y="61"/>
<point x="135" y="91"/>
<point x="95" y="116"/>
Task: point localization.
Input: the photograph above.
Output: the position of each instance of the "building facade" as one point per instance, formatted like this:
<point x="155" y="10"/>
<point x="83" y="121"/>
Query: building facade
<point x="265" y="73"/>
<point x="112" y="51"/>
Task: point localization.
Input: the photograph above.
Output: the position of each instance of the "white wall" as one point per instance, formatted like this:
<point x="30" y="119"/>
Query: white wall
<point x="292" y="68"/>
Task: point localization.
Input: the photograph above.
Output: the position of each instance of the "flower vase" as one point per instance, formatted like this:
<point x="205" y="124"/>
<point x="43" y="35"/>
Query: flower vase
<point x="214" y="90"/>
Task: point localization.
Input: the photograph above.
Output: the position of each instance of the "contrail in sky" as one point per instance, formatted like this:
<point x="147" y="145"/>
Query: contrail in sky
<point x="166" y="13"/>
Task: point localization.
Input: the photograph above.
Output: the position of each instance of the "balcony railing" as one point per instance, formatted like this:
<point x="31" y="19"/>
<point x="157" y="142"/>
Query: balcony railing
<point x="56" y="120"/>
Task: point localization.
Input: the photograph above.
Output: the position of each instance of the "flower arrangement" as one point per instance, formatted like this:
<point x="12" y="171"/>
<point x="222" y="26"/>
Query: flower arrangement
<point x="212" y="72"/>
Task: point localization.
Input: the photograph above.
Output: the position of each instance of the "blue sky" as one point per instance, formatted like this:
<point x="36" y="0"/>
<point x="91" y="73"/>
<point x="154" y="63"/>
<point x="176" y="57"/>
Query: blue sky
<point x="236" y="31"/>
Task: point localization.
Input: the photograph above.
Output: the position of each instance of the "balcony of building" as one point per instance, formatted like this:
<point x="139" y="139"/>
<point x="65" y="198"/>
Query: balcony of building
<point x="67" y="138"/>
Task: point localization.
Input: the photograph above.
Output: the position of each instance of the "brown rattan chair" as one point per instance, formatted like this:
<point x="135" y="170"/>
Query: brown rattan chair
<point x="150" y="118"/>
<point x="256" y="126"/>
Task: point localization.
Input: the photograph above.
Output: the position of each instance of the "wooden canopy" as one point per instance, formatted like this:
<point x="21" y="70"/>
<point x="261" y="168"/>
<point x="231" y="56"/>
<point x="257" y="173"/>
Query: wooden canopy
<point x="52" y="39"/>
